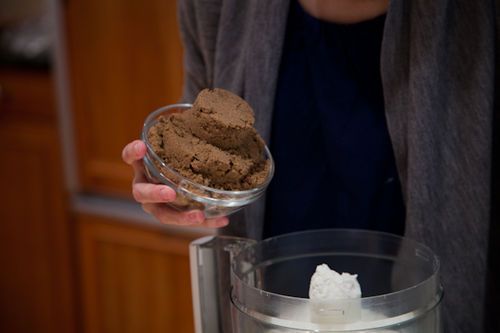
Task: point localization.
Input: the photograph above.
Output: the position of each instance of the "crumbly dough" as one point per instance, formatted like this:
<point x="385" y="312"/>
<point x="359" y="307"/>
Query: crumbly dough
<point x="213" y="143"/>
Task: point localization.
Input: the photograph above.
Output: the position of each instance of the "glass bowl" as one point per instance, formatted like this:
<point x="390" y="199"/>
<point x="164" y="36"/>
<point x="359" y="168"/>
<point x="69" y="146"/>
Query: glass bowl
<point x="191" y="195"/>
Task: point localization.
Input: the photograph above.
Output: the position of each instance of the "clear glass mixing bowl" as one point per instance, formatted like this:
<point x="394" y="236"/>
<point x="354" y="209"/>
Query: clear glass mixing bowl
<point x="190" y="195"/>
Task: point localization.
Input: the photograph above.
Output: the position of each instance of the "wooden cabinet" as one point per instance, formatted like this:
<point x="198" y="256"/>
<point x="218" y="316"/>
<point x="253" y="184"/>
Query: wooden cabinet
<point x="27" y="95"/>
<point x="133" y="279"/>
<point x="35" y="254"/>
<point x="125" y="60"/>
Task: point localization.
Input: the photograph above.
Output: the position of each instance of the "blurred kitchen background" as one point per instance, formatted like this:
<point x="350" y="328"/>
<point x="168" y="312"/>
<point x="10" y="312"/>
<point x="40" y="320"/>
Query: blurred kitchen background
<point x="77" y="79"/>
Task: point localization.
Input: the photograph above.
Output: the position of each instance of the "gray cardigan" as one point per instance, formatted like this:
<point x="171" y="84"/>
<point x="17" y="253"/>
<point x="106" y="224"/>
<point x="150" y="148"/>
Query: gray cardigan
<point x="438" y="77"/>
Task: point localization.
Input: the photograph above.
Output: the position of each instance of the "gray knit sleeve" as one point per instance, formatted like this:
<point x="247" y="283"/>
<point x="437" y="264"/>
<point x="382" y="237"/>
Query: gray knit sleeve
<point x="198" y="21"/>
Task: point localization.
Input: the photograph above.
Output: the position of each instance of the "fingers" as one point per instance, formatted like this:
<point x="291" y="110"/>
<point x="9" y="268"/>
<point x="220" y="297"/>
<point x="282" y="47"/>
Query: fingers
<point x="216" y="223"/>
<point x="134" y="151"/>
<point x="151" y="193"/>
<point x="132" y="155"/>
<point x="168" y="215"/>
<point x="153" y="196"/>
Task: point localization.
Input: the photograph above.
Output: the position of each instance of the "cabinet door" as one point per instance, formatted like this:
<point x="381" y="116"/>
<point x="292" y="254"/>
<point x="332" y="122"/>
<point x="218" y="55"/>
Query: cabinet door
<point x="35" y="279"/>
<point x="133" y="279"/>
<point x="125" y="60"/>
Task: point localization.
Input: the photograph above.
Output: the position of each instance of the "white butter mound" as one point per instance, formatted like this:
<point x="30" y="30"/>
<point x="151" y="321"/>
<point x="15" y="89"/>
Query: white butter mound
<point x="326" y="284"/>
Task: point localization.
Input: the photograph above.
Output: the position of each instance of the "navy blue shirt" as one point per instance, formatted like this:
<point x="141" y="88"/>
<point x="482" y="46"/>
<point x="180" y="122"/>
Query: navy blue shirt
<point x="334" y="161"/>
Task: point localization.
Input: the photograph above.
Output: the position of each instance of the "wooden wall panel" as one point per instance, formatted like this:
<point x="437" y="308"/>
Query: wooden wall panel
<point x="125" y="60"/>
<point x="35" y="253"/>
<point x="133" y="279"/>
<point x="26" y="95"/>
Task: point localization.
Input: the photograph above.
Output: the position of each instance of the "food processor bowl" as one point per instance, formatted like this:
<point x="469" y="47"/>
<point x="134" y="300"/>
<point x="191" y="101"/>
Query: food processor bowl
<point x="269" y="282"/>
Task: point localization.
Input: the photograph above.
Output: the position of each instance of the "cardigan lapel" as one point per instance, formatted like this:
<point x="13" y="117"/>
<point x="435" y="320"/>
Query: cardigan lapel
<point x="262" y="59"/>
<point x="438" y="74"/>
<point x="263" y="50"/>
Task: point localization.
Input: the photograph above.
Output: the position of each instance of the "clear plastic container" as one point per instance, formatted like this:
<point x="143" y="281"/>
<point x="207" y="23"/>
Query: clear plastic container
<point x="270" y="279"/>
<point x="190" y="195"/>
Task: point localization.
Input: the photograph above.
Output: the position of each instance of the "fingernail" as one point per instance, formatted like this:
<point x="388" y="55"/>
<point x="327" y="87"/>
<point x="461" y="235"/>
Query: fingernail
<point x="222" y="221"/>
<point x="137" y="147"/>
<point x="195" y="217"/>
<point x="166" y="194"/>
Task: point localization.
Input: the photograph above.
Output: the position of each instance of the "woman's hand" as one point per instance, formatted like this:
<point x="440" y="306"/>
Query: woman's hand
<point x="153" y="197"/>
